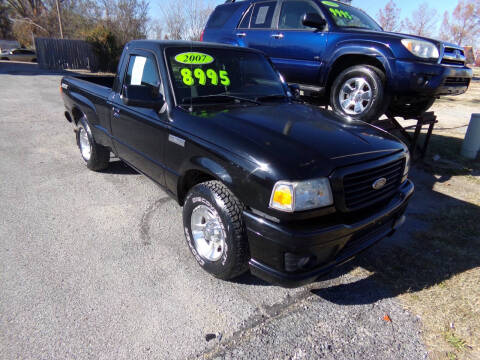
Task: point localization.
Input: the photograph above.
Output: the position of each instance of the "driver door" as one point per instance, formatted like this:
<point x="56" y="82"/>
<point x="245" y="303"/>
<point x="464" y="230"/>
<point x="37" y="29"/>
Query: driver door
<point x="140" y="133"/>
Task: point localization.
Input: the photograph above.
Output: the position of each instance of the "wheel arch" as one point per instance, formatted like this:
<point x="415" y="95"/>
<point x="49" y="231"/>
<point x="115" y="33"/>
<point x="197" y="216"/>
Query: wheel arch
<point x="348" y="60"/>
<point x="200" y="169"/>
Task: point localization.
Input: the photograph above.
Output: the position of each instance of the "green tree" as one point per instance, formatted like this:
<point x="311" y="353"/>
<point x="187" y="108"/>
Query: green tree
<point x="106" y="47"/>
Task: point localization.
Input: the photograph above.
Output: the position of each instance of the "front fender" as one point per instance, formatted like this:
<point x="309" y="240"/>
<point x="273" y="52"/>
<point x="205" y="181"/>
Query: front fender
<point x="201" y="167"/>
<point x="370" y="48"/>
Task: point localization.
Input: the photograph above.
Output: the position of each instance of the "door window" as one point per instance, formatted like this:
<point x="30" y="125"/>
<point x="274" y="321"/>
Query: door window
<point x="263" y="15"/>
<point x="292" y="14"/>
<point x="142" y="70"/>
<point x="245" y="23"/>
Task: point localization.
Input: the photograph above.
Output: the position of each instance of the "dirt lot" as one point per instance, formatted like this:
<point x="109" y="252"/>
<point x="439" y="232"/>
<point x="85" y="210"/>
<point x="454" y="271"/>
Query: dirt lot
<point x="94" y="265"/>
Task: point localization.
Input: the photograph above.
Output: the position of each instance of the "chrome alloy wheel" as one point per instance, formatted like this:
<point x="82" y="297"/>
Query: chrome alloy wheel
<point x="84" y="143"/>
<point x="355" y="96"/>
<point x="208" y="233"/>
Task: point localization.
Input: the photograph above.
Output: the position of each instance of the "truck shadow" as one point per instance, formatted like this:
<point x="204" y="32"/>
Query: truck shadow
<point x="118" y="167"/>
<point x="440" y="240"/>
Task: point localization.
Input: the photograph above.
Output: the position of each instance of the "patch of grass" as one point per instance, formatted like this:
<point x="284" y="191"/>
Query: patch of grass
<point x="437" y="278"/>
<point x="452" y="356"/>
<point x="458" y="343"/>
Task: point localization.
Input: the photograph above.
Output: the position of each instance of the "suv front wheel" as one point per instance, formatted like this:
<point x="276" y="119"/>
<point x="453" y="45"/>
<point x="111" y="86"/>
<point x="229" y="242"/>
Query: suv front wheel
<point x="359" y="92"/>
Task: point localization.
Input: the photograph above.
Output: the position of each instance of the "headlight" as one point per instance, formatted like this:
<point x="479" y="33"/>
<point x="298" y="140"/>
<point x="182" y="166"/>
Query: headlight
<point x="300" y="196"/>
<point x="420" y="48"/>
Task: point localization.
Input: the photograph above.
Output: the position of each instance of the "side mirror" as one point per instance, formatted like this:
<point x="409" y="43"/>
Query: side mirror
<point x="295" y="90"/>
<point x="314" y="20"/>
<point x="142" y="96"/>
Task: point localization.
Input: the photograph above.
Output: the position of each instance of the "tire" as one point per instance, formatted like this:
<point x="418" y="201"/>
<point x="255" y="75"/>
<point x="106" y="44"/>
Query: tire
<point x="363" y="79"/>
<point x="410" y="110"/>
<point x="219" y="212"/>
<point x="95" y="156"/>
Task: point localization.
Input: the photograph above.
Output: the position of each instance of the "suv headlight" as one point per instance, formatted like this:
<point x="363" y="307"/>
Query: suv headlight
<point x="422" y="49"/>
<point x="299" y="196"/>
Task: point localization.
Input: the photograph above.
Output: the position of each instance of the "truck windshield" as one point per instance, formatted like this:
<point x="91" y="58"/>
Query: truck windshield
<point x="346" y="16"/>
<point x="206" y="75"/>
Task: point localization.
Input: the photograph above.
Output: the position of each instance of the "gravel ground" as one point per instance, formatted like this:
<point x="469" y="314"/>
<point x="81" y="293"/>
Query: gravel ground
<point x="95" y="265"/>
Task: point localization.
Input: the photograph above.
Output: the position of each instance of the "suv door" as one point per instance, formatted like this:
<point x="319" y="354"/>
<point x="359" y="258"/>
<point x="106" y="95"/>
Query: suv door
<point x="140" y="133"/>
<point x="255" y="28"/>
<point x="297" y="50"/>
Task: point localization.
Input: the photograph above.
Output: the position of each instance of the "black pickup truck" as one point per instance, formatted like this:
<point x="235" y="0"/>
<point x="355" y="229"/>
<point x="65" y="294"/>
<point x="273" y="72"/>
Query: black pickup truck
<point x="266" y="182"/>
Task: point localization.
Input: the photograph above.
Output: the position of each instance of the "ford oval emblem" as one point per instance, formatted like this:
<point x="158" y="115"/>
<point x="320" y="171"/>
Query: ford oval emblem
<point x="379" y="183"/>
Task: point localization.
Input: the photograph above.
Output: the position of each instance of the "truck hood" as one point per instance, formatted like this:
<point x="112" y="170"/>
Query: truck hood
<point x="299" y="139"/>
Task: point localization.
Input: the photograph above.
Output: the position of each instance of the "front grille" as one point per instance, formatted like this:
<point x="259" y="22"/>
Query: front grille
<point x="358" y="187"/>
<point x="453" y="56"/>
<point x="457" y="81"/>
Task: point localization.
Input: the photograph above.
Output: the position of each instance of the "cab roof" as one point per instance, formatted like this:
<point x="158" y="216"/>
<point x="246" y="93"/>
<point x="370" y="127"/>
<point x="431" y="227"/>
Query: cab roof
<point x="162" y="44"/>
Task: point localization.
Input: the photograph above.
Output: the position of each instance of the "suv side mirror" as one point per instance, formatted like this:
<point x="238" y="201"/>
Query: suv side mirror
<point x="142" y="96"/>
<point x="314" y="20"/>
<point x="295" y="91"/>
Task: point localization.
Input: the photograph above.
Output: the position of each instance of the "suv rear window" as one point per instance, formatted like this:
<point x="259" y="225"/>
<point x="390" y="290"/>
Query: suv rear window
<point x="220" y="15"/>
<point x="263" y="15"/>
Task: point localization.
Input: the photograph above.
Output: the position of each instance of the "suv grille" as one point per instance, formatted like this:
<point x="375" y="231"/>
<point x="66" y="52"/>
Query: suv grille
<point x="358" y="187"/>
<point x="457" y="81"/>
<point x="453" y="56"/>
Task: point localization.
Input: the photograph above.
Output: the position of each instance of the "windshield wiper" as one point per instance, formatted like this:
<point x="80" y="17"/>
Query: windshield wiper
<point x="270" y="97"/>
<point x="357" y="27"/>
<point x="217" y="97"/>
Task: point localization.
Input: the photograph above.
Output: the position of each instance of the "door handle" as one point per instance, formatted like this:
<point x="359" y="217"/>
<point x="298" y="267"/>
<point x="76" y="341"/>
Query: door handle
<point x="241" y="34"/>
<point x="278" y="36"/>
<point x="116" y="112"/>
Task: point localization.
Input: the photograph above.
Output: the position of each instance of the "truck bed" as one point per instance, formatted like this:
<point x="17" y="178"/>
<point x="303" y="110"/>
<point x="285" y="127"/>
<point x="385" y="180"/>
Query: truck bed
<point x="100" y="86"/>
<point x="105" y="80"/>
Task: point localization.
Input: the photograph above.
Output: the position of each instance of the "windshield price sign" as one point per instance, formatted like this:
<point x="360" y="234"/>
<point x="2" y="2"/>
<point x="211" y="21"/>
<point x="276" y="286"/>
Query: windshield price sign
<point x="194" y="58"/>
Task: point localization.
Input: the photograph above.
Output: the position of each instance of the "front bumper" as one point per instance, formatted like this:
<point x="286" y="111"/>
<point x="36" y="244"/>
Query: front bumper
<point x="329" y="245"/>
<point x="412" y="78"/>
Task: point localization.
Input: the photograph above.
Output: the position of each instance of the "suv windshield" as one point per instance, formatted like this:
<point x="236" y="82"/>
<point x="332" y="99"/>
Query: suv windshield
<point x="346" y="16"/>
<point x="206" y="75"/>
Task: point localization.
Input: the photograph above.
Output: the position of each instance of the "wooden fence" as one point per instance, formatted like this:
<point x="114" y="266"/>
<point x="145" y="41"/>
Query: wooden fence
<point x="59" y="54"/>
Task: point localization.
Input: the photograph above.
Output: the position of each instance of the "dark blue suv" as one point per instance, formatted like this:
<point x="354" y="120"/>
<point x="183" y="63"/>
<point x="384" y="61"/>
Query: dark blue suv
<point x="339" y="55"/>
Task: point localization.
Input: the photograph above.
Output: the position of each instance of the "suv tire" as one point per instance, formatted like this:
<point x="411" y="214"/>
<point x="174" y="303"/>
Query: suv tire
<point x="214" y="230"/>
<point x="359" y="92"/>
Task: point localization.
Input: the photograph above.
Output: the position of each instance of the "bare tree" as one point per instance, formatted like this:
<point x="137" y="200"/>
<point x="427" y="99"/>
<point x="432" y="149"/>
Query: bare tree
<point x="174" y="20"/>
<point x="423" y="22"/>
<point x="185" y="19"/>
<point x="5" y="22"/>
<point x="155" y="30"/>
<point x="127" y="19"/>
<point x="463" y="27"/>
<point x="389" y="17"/>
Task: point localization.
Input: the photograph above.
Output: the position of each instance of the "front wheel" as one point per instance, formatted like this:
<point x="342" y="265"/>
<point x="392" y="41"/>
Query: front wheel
<point x="95" y="156"/>
<point x="214" y="229"/>
<point x="358" y="92"/>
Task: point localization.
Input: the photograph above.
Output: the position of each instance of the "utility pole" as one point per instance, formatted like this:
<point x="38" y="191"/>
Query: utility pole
<point x="59" y="18"/>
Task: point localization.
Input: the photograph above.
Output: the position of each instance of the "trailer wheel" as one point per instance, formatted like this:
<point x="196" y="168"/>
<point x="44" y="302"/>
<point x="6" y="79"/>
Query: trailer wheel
<point x="95" y="156"/>
<point x="214" y="230"/>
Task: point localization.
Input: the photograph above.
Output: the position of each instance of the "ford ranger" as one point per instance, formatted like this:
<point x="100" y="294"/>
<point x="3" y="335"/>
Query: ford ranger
<point x="340" y="56"/>
<point x="267" y="183"/>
